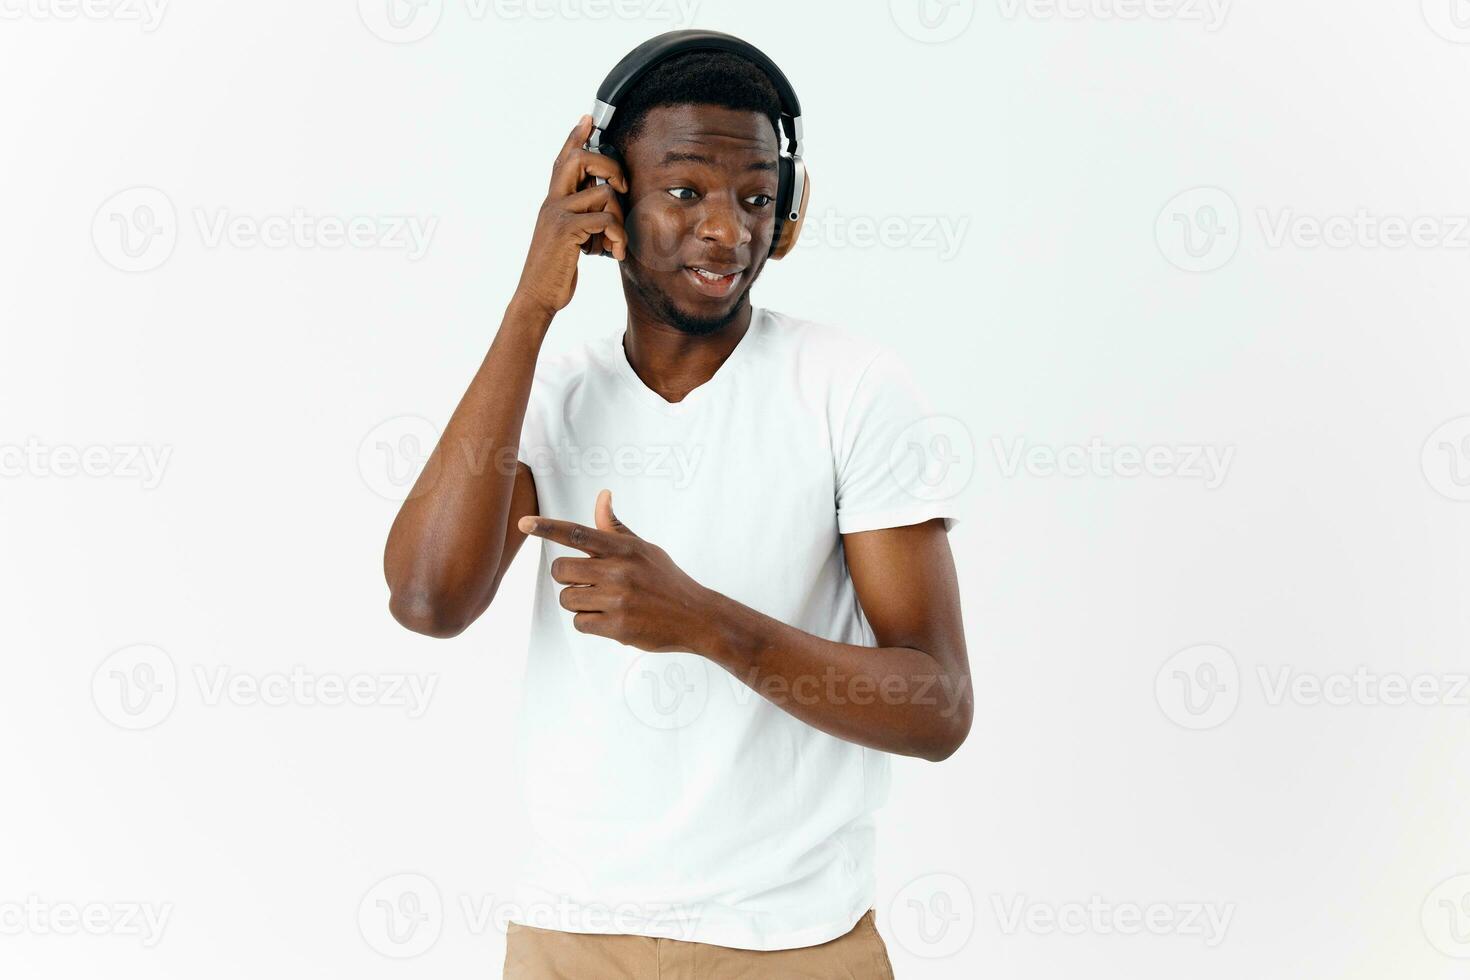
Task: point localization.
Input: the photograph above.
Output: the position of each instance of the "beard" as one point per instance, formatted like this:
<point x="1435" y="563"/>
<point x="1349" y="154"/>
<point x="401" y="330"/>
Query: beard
<point x="698" y="326"/>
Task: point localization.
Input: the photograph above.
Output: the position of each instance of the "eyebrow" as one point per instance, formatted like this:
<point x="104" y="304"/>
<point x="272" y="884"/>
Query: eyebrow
<point x="679" y="156"/>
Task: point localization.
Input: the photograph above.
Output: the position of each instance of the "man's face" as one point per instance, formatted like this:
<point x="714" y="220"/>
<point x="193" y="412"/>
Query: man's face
<point x="702" y="199"/>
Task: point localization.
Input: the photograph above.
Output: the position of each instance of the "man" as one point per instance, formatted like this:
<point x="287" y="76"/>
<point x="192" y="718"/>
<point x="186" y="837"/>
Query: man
<point x="722" y="487"/>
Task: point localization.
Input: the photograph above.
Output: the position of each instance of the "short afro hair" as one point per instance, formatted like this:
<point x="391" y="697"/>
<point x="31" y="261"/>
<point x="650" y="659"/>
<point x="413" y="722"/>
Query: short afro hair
<point x="694" y="78"/>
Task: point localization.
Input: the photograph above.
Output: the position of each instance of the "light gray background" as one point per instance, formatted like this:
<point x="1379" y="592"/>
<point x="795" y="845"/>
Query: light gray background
<point x="1114" y="176"/>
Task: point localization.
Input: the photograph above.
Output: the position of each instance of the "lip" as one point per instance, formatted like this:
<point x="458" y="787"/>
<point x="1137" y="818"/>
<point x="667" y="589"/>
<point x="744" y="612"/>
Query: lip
<point x="714" y="287"/>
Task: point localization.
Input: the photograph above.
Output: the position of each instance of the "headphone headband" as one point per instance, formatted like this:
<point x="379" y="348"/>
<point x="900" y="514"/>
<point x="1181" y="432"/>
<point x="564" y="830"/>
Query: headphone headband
<point x="794" y="186"/>
<point x="637" y="63"/>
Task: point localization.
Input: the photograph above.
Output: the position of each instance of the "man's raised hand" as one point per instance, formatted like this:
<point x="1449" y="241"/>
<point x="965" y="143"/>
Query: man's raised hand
<point x="572" y="216"/>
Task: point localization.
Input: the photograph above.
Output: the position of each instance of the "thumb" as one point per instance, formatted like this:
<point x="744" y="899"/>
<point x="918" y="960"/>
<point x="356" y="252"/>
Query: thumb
<point x="605" y="518"/>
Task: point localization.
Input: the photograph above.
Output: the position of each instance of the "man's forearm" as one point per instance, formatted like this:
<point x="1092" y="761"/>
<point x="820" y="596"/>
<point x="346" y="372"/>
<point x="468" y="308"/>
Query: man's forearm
<point x="445" y="545"/>
<point x="896" y="699"/>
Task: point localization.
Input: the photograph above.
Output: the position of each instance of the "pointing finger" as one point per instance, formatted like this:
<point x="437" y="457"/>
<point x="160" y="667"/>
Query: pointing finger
<point x="578" y="536"/>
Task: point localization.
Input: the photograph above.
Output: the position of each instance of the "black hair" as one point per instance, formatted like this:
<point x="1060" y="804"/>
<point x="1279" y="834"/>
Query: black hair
<point x="694" y="78"/>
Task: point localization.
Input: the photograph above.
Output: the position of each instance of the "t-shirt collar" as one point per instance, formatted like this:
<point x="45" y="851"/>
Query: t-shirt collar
<point x="693" y="399"/>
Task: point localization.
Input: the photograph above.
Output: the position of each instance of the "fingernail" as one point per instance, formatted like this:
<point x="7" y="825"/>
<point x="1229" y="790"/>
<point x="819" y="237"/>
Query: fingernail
<point x="526" y="524"/>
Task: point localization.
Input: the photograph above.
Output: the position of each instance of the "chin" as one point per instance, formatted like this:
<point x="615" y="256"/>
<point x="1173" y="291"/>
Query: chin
<point x="702" y="322"/>
<point x="696" y="319"/>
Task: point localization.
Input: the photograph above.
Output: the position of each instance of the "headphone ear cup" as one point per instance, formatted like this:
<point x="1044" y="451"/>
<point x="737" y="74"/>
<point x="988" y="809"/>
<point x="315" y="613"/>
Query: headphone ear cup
<point x="611" y="152"/>
<point x="782" y="202"/>
<point x="594" y="244"/>
<point x="787" y="231"/>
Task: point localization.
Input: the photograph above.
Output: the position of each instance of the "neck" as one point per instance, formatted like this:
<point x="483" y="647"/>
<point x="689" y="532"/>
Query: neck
<point x="673" y="363"/>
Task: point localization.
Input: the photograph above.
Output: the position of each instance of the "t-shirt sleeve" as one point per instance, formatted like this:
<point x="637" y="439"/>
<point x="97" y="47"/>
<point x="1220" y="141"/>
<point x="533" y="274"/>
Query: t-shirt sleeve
<point x="898" y="463"/>
<point x="532" y="448"/>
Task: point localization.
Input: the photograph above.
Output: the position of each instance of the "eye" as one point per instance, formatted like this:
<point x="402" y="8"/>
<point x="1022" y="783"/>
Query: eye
<point x="759" y="200"/>
<point x="680" y="192"/>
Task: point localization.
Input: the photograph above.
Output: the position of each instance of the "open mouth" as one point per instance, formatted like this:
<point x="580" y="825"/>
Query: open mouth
<point x="713" y="282"/>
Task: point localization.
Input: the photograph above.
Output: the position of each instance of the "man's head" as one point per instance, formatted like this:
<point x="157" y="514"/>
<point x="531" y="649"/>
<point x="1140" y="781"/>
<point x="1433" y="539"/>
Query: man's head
<point x="697" y="137"/>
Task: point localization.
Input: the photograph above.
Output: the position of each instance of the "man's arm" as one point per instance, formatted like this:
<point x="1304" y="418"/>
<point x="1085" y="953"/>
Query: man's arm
<point x="456" y="533"/>
<point x="910" y="695"/>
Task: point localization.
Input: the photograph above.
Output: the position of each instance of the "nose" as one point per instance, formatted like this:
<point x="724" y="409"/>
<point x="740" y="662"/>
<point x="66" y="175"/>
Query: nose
<point x="723" y="222"/>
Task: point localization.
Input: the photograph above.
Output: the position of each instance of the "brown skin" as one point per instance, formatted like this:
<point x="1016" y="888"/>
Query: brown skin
<point x="464" y="520"/>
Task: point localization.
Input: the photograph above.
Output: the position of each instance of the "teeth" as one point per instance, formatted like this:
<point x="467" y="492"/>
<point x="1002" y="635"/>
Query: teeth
<point x="710" y="275"/>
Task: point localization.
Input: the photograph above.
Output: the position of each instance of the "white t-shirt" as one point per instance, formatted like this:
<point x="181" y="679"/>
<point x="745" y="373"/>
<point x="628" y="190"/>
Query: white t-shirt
<point x="665" y="797"/>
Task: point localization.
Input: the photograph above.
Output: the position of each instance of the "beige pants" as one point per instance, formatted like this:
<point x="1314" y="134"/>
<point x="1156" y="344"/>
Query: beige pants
<point x="545" y="954"/>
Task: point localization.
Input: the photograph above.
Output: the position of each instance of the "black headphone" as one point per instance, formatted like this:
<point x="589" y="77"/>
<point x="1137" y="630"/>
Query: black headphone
<point x="793" y="187"/>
